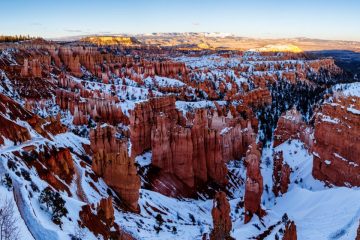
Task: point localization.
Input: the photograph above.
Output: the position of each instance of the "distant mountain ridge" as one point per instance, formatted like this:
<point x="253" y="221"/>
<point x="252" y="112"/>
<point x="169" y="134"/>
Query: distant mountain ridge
<point x="218" y="41"/>
<point x="111" y="40"/>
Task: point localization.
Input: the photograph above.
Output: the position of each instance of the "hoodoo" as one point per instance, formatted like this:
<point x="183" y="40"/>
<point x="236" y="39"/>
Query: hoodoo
<point x="177" y="135"/>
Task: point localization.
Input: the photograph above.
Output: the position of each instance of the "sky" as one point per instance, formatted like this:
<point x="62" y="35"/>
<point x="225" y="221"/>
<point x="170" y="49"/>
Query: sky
<point x="324" y="19"/>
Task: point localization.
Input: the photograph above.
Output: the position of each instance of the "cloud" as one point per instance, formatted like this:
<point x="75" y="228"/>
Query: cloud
<point x="35" y="24"/>
<point x="104" y="32"/>
<point x="196" y="24"/>
<point x="73" y="30"/>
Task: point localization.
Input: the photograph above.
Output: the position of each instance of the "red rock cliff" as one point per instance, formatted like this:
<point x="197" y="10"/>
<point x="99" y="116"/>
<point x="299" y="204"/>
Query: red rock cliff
<point x="197" y="152"/>
<point x="281" y="174"/>
<point x="291" y="126"/>
<point x="101" y="223"/>
<point x="142" y="119"/>
<point x="290" y="231"/>
<point x="10" y="111"/>
<point x="60" y="163"/>
<point x="193" y="150"/>
<point x="221" y="218"/>
<point x="254" y="183"/>
<point x="337" y="147"/>
<point x="112" y="162"/>
<point x="101" y="108"/>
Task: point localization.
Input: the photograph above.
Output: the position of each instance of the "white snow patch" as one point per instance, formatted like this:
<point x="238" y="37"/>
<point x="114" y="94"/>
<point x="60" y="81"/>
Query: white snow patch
<point x="327" y="162"/>
<point x="354" y="111"/>
<point x="348" y="89"/>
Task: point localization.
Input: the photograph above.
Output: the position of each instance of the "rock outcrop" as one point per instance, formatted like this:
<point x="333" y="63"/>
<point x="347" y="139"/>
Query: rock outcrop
<point x="165" y="69"/>
<point x="112" y="162"/>
<point x="221" y="218"/>
<point x="12" y="131"/>
<point x="106" y="211"/>
<point x="86" y="105"/>
<point x="31" y="68"/>
<point x="290" y="231"/>
<point x="100" y="220"/>
<point x="142" y="119"/>
<point x="281" y="174"/>
<point x="53" y="165"/>
<point x="254" y="183"/>
<point x="321" y="64"/>
<point x="70" y="60"/>
<point x="337" y="147"/>
<point x="53" y="125"/>
<point x="291" y="126"/>
<point x="59" y="162"/>
<point x="194" y="116"/>
<point x="197" y="152"/>
<point x="257" y="98"/>
<point x="10" y="111"/>
<point x="191" y="150"/>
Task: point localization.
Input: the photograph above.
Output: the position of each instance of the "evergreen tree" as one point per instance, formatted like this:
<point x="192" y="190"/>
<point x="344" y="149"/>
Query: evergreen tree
<point x="54" y="201"/>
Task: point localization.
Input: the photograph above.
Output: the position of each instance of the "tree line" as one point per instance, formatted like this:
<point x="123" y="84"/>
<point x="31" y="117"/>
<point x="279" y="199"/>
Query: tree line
<point x="15" y="38"/>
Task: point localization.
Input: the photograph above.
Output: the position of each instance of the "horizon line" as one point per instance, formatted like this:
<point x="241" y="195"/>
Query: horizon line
<point x="228" y="34"/>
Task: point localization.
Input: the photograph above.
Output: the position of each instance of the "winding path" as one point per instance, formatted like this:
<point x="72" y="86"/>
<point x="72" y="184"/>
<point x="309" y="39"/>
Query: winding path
<point x="37" y="230"/>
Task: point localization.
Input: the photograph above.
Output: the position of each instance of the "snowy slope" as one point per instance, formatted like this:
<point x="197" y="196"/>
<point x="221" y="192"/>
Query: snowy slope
<point x="319" y="212"/>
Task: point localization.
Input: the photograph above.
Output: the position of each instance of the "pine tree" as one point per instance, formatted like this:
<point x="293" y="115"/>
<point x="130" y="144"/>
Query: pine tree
<point x="54" y="201"/>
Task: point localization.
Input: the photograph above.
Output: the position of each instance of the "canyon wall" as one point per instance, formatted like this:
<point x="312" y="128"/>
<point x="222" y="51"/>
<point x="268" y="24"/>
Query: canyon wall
<point x="221" y="218"/>
<point x="337" y="147"/>
<point x="291" y="126"/>
<point x="254" y="183"/>
<point x="112" y="162"/>
<point x="193" y="148"/>
<point x="281" y="174"/>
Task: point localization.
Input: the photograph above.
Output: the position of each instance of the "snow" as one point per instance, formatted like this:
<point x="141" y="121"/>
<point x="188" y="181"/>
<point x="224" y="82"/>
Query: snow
<point x="37" y="225"/>
<point x="348" y="89"/>
<point x="327" y="118"/>
<point x="297" y="156"/>
<point x="176" y="213"/>
<point x="24" y="232"/>
<point x="277" y="48"/>
<point x="128" y="91"/>
<point x="163" y="82"/>
<point x="69" y="139"/>
<point x="319" y="212"/>
<point x="189" y="106"/>
<point x="36" y="217"/>
<point x="354" y="111"/>
<point x="322" y="214"/>
<point x="327" y="162"/>
<point x="144" y="159"/>
<point x="225" y="130"/>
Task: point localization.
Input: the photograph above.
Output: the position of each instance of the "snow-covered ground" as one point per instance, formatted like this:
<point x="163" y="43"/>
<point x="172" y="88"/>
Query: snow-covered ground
<point x="189" y="106"/>
<point x="319" y="212"/>
<point x="191" y="218"/>
<point x="163" y="82"/>
<point x="7" y="195"/>
<point x="348" y="89"/>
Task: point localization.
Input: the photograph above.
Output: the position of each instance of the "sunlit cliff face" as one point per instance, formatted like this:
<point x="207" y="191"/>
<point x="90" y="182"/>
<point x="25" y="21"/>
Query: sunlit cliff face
<point x="110" y="40"/>
<point x="203" y="46"/>
<point x="278" y="48"/>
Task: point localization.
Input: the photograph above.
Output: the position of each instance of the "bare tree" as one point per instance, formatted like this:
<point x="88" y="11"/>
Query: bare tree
<point x="9" y="229"/>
